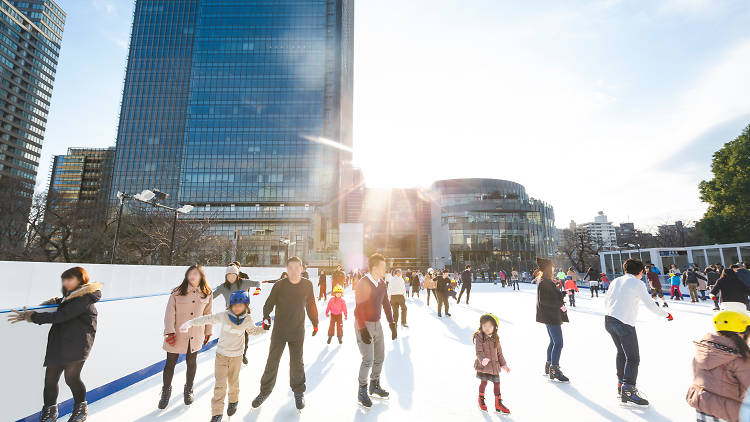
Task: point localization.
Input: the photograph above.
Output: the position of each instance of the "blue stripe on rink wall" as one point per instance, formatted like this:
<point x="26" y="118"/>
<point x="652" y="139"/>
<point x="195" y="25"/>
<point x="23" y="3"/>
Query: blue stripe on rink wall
<point x="112" y="299"/>
<point x="112" y="387"/>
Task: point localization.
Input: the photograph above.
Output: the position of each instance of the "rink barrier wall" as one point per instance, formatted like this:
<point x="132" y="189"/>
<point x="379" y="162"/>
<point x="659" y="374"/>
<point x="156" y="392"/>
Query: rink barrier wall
<point x="130" y="328"/>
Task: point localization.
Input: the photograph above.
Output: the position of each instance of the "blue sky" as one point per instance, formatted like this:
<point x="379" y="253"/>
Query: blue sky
<point x="580" y="101"/>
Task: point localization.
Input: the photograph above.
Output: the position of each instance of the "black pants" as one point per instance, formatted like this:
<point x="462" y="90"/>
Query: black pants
<point x="172" y="362"/>
<point x="464" y="288"/>
<point x="244" y="352"/>
<point x="72" y="373"/>
<point x="594" y="290"/>
<point x="442" y="300"/>
<point x="296" y="365"/>
<point x="414" y="290"/>
<point x="626" y="342"/>
<point x="516" y="286"/>
<point x="572" y="298"/>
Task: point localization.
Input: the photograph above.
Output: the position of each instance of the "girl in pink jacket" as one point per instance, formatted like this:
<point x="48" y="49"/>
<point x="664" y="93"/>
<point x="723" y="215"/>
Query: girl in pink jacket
<point x="336" y="307"/>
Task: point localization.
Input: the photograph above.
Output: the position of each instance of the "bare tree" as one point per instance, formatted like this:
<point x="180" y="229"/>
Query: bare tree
<point x="579" y="249"/>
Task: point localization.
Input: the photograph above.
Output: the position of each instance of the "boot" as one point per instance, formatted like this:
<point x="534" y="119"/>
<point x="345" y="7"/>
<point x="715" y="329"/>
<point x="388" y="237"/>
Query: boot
<point x="216" y="418"/>
<point x="340" y="342"/>
<point x="48" y="414"/>
<point x="619" y="389"/>
<point x="329" y="339"/>
<point x="362" y="396"/>
<point x="166" y="392"/>
<point x="546" y="369"/>
<point x="259" y="400"/>
<point x="377" y="390"/>
<point x="630" y="394"/>
<point x="232" y="409"/>
<point x="500" y="407"/>
<point x="188" y="395"/>
<point x="664" y="305"/>
<point x="299" y="400"/>
<point x="555" y="374"/>
<point x="482" y="405"/>
<point x="80" y="412"/>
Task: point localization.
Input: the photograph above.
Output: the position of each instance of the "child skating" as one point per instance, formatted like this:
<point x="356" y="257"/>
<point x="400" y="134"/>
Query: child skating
<point x="489" y="361"/>
<point x="336" y="307"/>
<point x="571" y="288"/>
<point x="235" y="322"/>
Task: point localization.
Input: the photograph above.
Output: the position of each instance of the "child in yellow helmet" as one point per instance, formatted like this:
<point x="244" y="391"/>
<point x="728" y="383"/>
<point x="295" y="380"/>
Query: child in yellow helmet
<point x="722" y="369"/>
<point x="335" y="309"/>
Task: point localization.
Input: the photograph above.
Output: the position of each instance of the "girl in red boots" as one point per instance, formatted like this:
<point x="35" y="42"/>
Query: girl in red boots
<point x="489" y="361"/>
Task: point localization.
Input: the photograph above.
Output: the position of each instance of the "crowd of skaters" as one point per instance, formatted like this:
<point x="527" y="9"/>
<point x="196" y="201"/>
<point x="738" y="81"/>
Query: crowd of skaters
<point x="721" y="364"/>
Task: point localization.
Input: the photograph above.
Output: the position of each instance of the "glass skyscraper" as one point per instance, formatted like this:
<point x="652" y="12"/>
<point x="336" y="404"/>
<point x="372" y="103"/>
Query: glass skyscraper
<point x="30" y="36"/>
<point x="237" y="107"/>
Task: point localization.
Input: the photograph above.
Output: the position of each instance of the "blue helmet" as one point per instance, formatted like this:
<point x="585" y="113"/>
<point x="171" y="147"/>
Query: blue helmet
<point x="240" y="296"/>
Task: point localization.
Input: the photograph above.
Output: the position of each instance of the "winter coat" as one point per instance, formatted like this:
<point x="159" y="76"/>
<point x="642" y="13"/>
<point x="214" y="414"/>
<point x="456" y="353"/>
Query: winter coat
<point x="441" y="284"/>
<point x="181" y="309"/>
<point x="730" y="289"/>
<point x="653" y="280"/>
<point x="396" y="286"/>
<point x="675" y="279"/>
<point x="486" y="349"/>
<point x="712" y="277"/>
<point x="73" y="325"/>
<point x="721" y="378"/>
<point x="549" y="300"/>
<point x="692" y="277"/>
<point x="336" y="306"/>
<point x="240" y="284"/>
<point x="232" y="338"/>
<point x="430" y="283"/>
<point x="702" y="282"/>
<point x="571" y="285"/>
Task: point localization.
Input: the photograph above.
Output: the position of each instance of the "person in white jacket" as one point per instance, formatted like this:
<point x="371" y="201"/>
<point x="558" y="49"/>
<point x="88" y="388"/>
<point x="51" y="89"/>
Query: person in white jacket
<point x="626" y="293"/>
<point x="397" y="296"/>
<point x="235" y="322"/>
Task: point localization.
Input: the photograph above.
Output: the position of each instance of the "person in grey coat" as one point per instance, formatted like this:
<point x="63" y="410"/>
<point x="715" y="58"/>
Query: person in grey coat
<point x="232" y="283"/>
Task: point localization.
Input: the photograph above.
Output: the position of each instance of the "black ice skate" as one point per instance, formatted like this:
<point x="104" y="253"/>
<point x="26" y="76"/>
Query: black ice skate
<point x="630" y="395"/>
<point x="546" y="369"/>
<point x="188" y="395"/>
<point x="48" y="414"/>
<point x="555" y="374"/>
<point x="216" y="418"/>
<point x="80" y="412"/>
<point x="299" y="400"/>
<point x="164" y="400"/>
<point x="232" y="409"/>
<point x="329" y="339"/>
<point x="378" y="391"/>
<point x="362" y="396"/>
<point x="664" y="305"/>
<point x="340" y="342"/>
<point x="259" y="400"/>
<point x="619" y="390"/>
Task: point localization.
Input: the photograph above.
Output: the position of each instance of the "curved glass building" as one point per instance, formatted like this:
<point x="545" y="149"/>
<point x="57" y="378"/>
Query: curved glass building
<point x="488" y="223"/>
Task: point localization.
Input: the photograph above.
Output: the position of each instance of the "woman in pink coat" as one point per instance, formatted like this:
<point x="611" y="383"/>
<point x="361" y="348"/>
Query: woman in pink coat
<point x="191" y="299"/>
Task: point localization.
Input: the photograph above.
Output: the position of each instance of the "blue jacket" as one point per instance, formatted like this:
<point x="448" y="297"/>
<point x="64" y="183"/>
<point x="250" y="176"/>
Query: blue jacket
<point x="675" y="280"/>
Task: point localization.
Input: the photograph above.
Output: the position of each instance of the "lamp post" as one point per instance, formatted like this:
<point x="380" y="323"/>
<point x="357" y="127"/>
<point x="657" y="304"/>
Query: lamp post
<point x="144" y="196"/>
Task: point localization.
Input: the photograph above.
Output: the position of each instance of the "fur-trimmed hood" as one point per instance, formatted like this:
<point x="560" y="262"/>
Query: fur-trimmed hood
<point x="93" y="288"/>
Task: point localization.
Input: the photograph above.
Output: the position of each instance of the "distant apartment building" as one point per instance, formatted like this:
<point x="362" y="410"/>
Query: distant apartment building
<point x="82" y="177"/>
<point x="601" y="231"/>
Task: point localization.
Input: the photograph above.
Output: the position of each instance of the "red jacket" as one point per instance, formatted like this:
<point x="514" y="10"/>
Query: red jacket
<point x="336" y="306"/>
<point x="571" y="285"/>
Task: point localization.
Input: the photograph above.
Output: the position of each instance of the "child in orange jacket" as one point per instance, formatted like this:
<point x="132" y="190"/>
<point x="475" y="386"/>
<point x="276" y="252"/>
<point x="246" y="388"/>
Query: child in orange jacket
<point x="571" y="288"/>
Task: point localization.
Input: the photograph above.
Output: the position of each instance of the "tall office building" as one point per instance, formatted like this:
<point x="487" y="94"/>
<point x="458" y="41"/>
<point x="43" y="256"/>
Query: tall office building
<point x="81" y="177"/>
<point x="238" y="107"/>
<point x="30" y="36"/>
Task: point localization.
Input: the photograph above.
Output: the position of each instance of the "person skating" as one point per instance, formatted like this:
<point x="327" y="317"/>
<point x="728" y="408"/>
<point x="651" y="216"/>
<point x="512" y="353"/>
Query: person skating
<point x="397" y="296"/>
<point x="441" y="290"/>
<point x="335" y="309"/>
<point x="571" y="288"/>
<point x="430" y="284"/>
<point x="674" y="282"/>
<point x="192" y="298"/>
<point x="551" y="311"/>
<point x="653" y="280"/>
<point x="322" y="295"/>
<point x="291" y="297"/>
<point x="236" y="323"/>
<point x="416" y="284"/>
<point x="515" y="280"/>
<point x="371" y="296"/>
<point x="690" y="279"/>
<point x="712" y="276"/>
<point x="234" y="282"/>
<point x="69" y="341"/>
<point x="604" y="282"/>
<point x="466" y="279"/>
<point x="593" y="278"/>
<point x="489" y="361"/>
<point x="721" y="369"/>
<point x="621" y="305"/>
<point x="730" y="289"/>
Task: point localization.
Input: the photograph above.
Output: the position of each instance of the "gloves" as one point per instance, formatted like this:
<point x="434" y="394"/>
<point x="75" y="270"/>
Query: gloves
<point x="485" y="361"/>
<point x="365" y="335"/>
<point x="52" y="301"/>
<point x="505" y="368"/>
<point x="267" y="324"/>
<point x="170" y="339"/>
<point x="394" y="334"/>
<point x="315" y="330"/>
<point x="670" y="317"/>
<point x="206" y="339"/>
<point x="184" y="328"/>
<point x="257" y="291"/>
<point x="22" y="315"/>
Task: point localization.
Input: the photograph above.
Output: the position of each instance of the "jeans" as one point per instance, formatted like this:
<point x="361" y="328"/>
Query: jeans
<point x="626" y="342"/>
<point x="516" y="286"/>
<point x="555" y="343"/>
<point x="464" y="288"/>
<point x="72" y="373"/>
<point x="373" y="354"/>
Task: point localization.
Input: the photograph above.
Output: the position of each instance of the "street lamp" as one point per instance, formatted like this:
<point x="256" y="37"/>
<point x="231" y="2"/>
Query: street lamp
<point x="288" y="243"/>
<point x="144" y="196"/>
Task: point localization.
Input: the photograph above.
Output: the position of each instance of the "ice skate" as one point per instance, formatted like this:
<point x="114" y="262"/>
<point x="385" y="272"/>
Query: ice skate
<point x="482" y="405"/>
<point x="48" y="414"/>
<point x="377" y="391"/>
<point x="166" y="392"/>
<point x="631" y="397"/>
<point x="500" y="407"/>
<point x="80" y="412"/>
<point x="299" y="401"/>
<point x="188" y="395"/>
<point x="232" y="409"/>
<point x="329" y="339"/>
<point x="259" y="400"/>
<point x="363" y="398"/>
<point x="555" y="374"/>
<point x="546" y="369"/>
<point x="340" y="341"/>
<point x="216" y="418"/>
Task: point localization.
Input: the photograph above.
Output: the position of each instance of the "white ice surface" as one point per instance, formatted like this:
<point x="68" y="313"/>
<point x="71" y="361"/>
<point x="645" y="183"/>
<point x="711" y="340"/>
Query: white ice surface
<point x="429" y="369"/>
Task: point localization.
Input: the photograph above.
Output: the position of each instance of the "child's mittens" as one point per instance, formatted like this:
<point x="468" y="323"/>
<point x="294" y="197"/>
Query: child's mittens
<point x="505" y="368"/>
<point x="485" y="361"/>
<point x="170" y="339"/>
<point x="184" y="328"/>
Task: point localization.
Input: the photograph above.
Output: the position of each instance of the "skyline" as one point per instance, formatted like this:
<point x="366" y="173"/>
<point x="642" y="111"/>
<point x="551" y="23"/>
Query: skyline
<point x="674" y="93"/>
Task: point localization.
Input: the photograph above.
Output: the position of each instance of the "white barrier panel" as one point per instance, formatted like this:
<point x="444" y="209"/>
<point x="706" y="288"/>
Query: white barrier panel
<point x="129" y="334"/>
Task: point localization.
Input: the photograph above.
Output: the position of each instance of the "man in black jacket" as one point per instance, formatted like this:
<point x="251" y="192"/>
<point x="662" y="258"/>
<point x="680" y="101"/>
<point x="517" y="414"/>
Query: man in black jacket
<point x="465" y="284"/>
<point x="441" y="292"/>
<point x="291" y="296"/>
<point x="690" y="278"/>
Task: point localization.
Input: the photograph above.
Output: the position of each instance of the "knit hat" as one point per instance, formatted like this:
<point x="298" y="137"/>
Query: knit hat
<point x="232" y="270"/>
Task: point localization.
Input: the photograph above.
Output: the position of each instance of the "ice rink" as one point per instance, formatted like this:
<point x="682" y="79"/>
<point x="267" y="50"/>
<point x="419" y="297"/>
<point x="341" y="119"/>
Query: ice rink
<point x="429" y="369"/>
